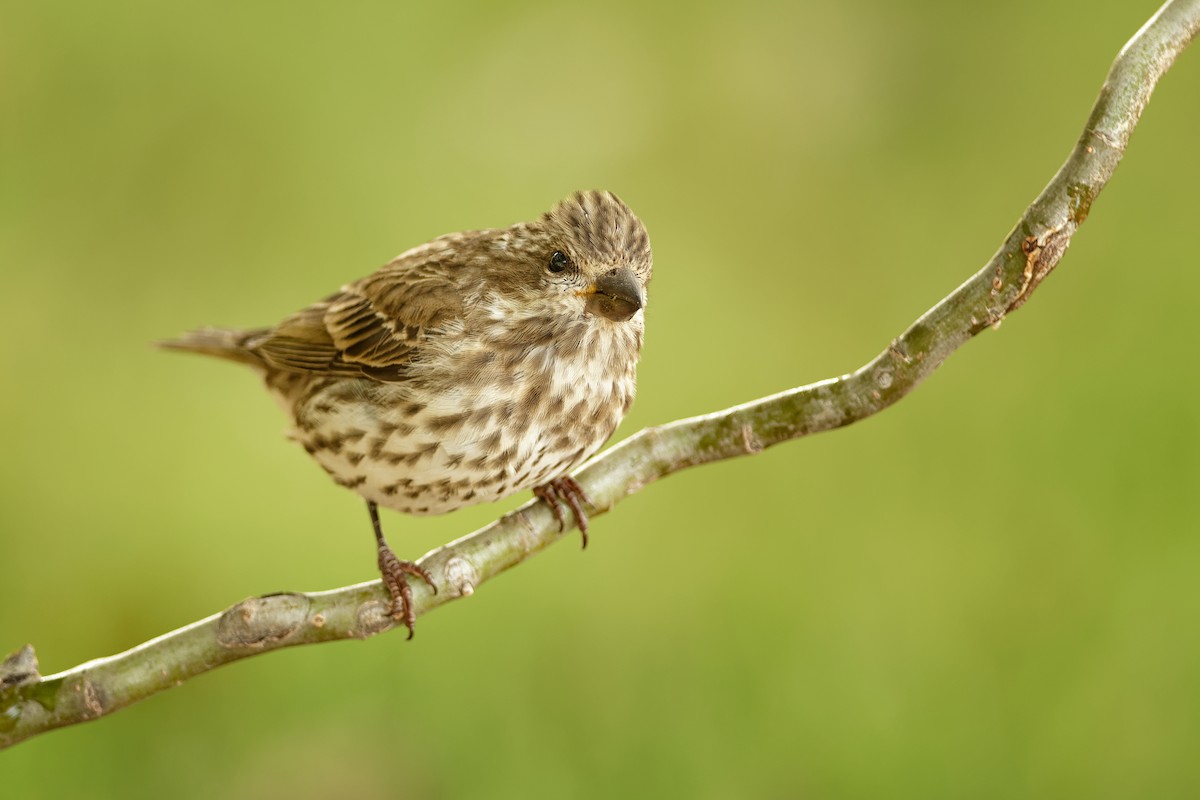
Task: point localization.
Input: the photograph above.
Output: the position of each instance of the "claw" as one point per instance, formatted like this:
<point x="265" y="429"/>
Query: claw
<point x="566" y="491"/>
<point x="393" y="570"/>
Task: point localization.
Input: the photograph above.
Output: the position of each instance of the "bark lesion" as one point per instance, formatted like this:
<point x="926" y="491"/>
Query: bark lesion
<point x="1042" y="255"/>
<point x="19" y="669"/>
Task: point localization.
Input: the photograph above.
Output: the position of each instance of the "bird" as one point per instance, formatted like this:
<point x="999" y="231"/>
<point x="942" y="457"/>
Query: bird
<point x="466" y="369"/>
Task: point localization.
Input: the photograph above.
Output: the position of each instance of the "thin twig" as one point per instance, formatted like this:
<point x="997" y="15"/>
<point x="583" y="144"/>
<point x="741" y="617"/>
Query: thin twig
<point x="31" y="704"/>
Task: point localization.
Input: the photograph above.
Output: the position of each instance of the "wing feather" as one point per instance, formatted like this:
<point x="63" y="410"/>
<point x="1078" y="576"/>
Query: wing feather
<point x="374" y="327"/>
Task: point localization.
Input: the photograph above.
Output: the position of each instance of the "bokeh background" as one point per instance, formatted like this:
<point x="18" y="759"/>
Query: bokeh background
<point x="990" y="590"/>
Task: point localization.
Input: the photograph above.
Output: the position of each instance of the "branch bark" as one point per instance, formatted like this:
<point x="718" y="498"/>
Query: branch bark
<point x="31" y="704"/>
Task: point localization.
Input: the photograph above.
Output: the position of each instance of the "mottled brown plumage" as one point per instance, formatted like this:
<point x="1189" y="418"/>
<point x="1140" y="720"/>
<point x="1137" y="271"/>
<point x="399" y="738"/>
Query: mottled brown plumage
<point x="469" y="368"/>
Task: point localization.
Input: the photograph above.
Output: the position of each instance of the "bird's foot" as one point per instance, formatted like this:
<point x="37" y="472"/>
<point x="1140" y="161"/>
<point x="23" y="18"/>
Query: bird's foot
<point x="393" y="571"/>
<point x="566" y="490"/>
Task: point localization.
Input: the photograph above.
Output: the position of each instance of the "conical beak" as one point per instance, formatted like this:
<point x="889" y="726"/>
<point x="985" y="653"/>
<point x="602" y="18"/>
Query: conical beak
<point x="617" y="295"/>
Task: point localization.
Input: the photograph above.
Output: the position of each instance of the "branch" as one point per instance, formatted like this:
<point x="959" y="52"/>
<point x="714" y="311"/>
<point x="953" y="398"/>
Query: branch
<point x="31" y="704"/>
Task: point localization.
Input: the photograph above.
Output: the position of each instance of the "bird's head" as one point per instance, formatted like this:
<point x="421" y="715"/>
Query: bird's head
<point x="589" y="255"/>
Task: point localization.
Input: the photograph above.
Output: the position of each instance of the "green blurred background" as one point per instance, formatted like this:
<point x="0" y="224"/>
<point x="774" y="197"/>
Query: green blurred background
<point x="989" y="590"/>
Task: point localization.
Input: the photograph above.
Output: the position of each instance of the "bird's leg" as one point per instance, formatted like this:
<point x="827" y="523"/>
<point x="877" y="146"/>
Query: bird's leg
<point x="566" y="490"/>
<point x="393" y="571"/>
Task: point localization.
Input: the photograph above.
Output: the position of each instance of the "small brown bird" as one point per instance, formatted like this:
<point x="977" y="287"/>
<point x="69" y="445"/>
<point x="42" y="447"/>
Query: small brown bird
<point x="468" y="368"/>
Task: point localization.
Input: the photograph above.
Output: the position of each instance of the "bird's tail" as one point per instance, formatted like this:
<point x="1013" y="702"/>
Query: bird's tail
<point x="227" y="343"/>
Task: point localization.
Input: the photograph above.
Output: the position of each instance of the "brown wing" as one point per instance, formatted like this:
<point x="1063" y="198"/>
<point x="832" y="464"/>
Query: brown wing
<point x="374" y="326"/>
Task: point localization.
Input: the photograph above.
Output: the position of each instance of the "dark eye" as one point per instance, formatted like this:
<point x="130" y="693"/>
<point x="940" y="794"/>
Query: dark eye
<point x="558" y="261"/>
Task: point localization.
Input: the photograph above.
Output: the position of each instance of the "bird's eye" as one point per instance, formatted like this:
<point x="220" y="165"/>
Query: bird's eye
<point x="558" y="261"/>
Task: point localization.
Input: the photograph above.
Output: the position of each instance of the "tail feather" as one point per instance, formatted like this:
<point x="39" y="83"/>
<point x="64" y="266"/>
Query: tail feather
<point x="227" y="343"/>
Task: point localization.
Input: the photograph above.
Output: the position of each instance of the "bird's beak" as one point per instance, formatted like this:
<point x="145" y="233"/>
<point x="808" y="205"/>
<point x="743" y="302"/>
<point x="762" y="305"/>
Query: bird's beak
<point x="616" y="295"/>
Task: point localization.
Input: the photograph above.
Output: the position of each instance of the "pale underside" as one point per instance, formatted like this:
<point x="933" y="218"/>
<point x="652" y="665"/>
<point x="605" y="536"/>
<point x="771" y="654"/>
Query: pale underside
<point x="512" y="413"/>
